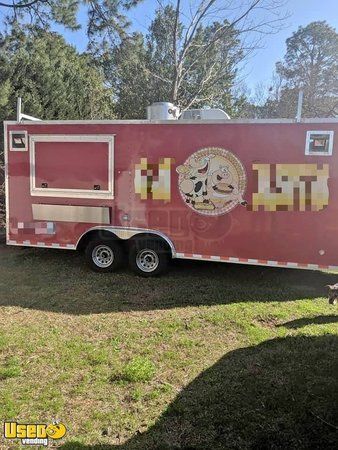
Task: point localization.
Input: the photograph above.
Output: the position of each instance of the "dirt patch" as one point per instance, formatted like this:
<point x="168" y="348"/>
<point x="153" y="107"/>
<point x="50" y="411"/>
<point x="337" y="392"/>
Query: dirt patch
<point x="268" y="322"/>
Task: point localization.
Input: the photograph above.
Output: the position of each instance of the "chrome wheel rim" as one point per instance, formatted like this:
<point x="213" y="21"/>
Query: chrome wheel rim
<point x="103" y="256"/>
<point x="147" y="260"/>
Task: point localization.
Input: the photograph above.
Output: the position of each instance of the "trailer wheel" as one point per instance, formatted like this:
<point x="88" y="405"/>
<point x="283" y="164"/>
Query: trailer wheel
<point x="104" y="255"/>
<point x="148" y="257"/>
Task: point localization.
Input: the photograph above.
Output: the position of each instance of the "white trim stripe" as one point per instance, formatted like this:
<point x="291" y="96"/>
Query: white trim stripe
<point x="256" y="262"/>
<point x="171" y="122"/>
<point x="231" y="259"/>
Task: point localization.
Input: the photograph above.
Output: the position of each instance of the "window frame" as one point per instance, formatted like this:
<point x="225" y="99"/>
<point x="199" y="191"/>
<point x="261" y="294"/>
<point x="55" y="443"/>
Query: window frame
<point x="309" y="152"/>
<point x="22" y="149"/>
<point x="73" y="193"/>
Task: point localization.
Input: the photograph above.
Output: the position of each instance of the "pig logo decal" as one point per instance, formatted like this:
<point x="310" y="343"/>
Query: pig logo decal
<point x="212" y="181"/>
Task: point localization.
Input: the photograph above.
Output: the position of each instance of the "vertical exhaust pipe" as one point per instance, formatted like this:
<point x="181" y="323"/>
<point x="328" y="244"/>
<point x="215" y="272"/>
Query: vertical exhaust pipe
<point x="18" y="110"/>
<point x="300" y="106"/>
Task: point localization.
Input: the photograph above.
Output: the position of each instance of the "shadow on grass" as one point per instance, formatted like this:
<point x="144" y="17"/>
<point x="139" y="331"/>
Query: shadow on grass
<point x="280" y="394"/>
<point x="319" y="320"/>
<point x="58" y="281"/>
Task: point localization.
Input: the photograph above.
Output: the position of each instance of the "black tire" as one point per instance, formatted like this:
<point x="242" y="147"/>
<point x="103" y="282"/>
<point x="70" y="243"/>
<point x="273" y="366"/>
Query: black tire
<point x="107" y="251"/>
<point x="148" y="257"/>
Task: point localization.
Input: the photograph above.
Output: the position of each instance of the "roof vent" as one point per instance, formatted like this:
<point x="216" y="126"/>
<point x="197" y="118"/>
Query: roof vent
<point x="204" y="114"/>
<point x="162" y="111"/>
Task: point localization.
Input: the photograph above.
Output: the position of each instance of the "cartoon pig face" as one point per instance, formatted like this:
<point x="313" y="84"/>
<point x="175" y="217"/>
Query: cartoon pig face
<point x="222" y="175"/>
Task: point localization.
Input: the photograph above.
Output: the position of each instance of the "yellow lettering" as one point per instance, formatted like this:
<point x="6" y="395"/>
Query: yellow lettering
<point x="13" y="430"/>
<point x="10" y="430"/>
<point x="41" y="431"/>
<point x="21" y="431"/>
<point x="31" y="431"/>
<point x="291" y="187"/>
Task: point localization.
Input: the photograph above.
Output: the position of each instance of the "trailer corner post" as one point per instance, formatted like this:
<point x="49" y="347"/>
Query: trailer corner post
<point x="299" y="106"/>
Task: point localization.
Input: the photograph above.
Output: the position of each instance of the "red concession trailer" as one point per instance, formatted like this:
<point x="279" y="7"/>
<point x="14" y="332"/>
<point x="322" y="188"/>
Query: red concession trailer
<point x="259" y="192"/>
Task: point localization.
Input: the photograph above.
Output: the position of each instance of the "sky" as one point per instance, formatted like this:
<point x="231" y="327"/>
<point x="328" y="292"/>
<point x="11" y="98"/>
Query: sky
<point x="260" y="66"/>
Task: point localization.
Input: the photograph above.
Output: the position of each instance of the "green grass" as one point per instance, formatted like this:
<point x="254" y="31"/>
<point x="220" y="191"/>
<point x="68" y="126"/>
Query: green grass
<point x="209" y="356"/>
<point x="138" y="369"/>
<point x="10" y="368"/>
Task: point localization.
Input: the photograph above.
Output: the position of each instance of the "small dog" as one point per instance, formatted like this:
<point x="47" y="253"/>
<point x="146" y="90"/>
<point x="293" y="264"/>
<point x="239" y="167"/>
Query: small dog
<point x="333" y="293"/>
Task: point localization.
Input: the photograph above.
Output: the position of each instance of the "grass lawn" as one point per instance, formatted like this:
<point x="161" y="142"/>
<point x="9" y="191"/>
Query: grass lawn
<point x="210" y="356"/>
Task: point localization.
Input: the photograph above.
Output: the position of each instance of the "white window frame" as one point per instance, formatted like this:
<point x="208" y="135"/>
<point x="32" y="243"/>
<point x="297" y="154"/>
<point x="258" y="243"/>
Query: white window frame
<point x="11" y="148"/>
<point x="72" y="193"/>
<point x="307" y="145"/>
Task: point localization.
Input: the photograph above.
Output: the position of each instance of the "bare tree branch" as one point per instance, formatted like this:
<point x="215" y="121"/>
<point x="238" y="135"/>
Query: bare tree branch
<point x="184" y="64"/>
<point x="21" y="4"/>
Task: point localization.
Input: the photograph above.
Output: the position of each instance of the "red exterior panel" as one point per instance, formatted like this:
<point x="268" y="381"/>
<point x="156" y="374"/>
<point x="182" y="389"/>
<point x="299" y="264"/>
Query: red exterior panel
<point x="71" y="165"/>
<point x="238" y="192"/>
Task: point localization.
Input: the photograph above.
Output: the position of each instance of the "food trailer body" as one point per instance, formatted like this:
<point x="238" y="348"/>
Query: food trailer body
<point x="240" y="191"/>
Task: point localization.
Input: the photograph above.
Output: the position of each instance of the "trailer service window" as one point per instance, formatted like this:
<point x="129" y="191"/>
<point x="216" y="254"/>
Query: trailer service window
<point x="72" y="166"/>
<point x="319" y="143"/>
